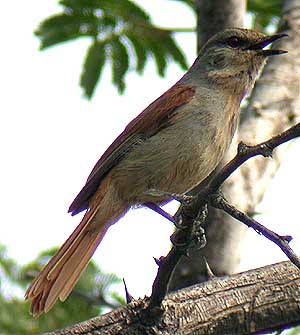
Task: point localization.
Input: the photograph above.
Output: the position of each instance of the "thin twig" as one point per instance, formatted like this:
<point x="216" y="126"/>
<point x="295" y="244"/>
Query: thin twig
<point x="128" y="296"/>
<point x="218" y="201"/>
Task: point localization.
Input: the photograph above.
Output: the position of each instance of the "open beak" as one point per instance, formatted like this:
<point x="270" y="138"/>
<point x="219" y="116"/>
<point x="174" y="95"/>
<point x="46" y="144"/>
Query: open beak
<point x="266" y="41"/>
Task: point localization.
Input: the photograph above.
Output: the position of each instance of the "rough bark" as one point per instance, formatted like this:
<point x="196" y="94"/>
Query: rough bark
<point x="245" y="303"/>
<point x="273" y="106"/>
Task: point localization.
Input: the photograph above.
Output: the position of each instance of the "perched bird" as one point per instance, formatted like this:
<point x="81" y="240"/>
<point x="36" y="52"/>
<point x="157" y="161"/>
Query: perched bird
<point x="174" y="144"/>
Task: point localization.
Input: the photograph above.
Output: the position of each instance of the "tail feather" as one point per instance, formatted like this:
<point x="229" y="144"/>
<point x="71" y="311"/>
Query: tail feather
<point x="71" y="270"/>
<point x="60" y="275"/>
<point x="57" y="280"/>
<point x="80" y="238"/>
<point x="40" y="302"/>
<point x="52" y="269"/>
<point x="80" y="267"/>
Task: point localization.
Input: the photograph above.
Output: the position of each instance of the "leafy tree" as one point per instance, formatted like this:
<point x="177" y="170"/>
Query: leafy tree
<point x="93" y="294"/>
<point x="121" y="34"/>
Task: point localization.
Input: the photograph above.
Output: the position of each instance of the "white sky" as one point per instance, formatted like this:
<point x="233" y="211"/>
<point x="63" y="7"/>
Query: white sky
<point x="51" y="137"/>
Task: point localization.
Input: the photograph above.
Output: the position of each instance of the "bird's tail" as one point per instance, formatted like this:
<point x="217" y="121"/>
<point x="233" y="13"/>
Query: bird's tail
<point x="60" y="275"/>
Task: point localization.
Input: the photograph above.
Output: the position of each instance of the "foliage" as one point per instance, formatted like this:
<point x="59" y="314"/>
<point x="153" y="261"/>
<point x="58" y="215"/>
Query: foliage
<point x="266" y="12"/>
<point x="122" y="34"/>
<point x="92" y="295"/>
<point x="293" y="331"/>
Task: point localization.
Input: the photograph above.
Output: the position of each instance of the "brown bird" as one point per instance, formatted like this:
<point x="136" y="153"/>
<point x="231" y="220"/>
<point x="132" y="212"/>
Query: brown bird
<point x="174" y="144"/>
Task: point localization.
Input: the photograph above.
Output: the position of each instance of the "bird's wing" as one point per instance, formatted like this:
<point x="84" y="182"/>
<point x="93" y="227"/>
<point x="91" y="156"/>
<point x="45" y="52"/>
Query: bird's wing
<point x="156" y="116"/>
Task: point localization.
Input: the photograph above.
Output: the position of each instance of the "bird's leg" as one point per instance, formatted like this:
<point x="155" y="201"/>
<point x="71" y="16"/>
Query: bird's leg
<point x="182" y="198"/>
<point x="156" y="208"/>
<point x="198" y="233"/>
<point x="196" y="239"/>
<point x="193" y="236"/>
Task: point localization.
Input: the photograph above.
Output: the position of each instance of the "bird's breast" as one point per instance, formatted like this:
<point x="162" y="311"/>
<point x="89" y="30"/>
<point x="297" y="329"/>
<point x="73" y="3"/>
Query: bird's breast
<point x="179" y="156"/>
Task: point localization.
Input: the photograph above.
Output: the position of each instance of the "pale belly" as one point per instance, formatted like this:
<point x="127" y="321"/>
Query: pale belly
<point x="173" y="161"/>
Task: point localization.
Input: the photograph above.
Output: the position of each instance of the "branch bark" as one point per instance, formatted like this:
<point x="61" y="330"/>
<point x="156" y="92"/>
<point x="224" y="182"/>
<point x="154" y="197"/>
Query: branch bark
<point x="246" y="303"/>
<point x="274" y="106"/>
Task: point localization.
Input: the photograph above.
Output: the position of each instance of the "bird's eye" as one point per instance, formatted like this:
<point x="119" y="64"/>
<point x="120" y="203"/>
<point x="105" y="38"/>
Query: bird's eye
<point x="234" y="42"/>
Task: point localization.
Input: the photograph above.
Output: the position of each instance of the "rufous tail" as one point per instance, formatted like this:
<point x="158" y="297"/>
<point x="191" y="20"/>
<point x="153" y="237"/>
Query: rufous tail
<point x="60" y="275"/>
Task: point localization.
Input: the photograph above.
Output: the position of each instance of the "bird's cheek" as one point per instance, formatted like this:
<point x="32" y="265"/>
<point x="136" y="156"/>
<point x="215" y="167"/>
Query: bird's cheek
<point x="218" y="61"/>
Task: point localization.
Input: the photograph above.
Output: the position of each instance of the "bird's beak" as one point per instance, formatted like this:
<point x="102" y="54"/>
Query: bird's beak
<point x="259" y="46"/>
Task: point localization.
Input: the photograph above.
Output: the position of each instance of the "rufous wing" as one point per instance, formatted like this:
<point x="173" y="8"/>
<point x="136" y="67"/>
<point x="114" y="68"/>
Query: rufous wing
<point x="146" y="124"/>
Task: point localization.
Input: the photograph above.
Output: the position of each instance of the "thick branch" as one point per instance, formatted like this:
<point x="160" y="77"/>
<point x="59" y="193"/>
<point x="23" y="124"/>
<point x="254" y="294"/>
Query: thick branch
<point x="247" y="303"/>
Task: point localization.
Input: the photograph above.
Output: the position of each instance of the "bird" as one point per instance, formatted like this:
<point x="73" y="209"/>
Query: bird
<point x="169" y="148"/>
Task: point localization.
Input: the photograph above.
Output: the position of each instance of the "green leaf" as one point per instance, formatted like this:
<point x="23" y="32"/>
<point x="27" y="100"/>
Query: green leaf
<point x="175" y="52"/>
<point x="265" y="12"/>
<point x="122" y="9"/>
<point x="265" y="7"/>
<point x="159" y="57"/>
<point x="120" y="63"/>
<point x="154" y="39"/>
<point x="64" y="27"/>
<point x="122" y="27"/>
<point x="293" y="331"/>
<point x="159" y="43"/>
<point x="133" y="10"/>
<point x="125" y="9"/>
<point x="92" y="68"/>
<point x="80" y="5"/>
<point x="140" y="52"/>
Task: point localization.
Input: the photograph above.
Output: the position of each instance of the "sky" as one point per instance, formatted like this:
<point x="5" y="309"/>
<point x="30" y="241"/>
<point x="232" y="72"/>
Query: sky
<point x="51" y="137"/>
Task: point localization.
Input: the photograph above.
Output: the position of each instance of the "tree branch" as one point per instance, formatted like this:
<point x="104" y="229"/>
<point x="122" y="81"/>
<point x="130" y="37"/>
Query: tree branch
<point x="189" y="213"/>
<point x="218" y="201"/>
<point x="251" y="301"/>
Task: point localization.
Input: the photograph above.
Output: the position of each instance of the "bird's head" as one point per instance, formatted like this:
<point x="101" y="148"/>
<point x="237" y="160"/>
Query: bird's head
<point x="234" y="57"/>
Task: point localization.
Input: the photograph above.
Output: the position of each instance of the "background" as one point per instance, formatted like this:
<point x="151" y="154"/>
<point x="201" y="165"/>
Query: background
<point x="51" y="137"/>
